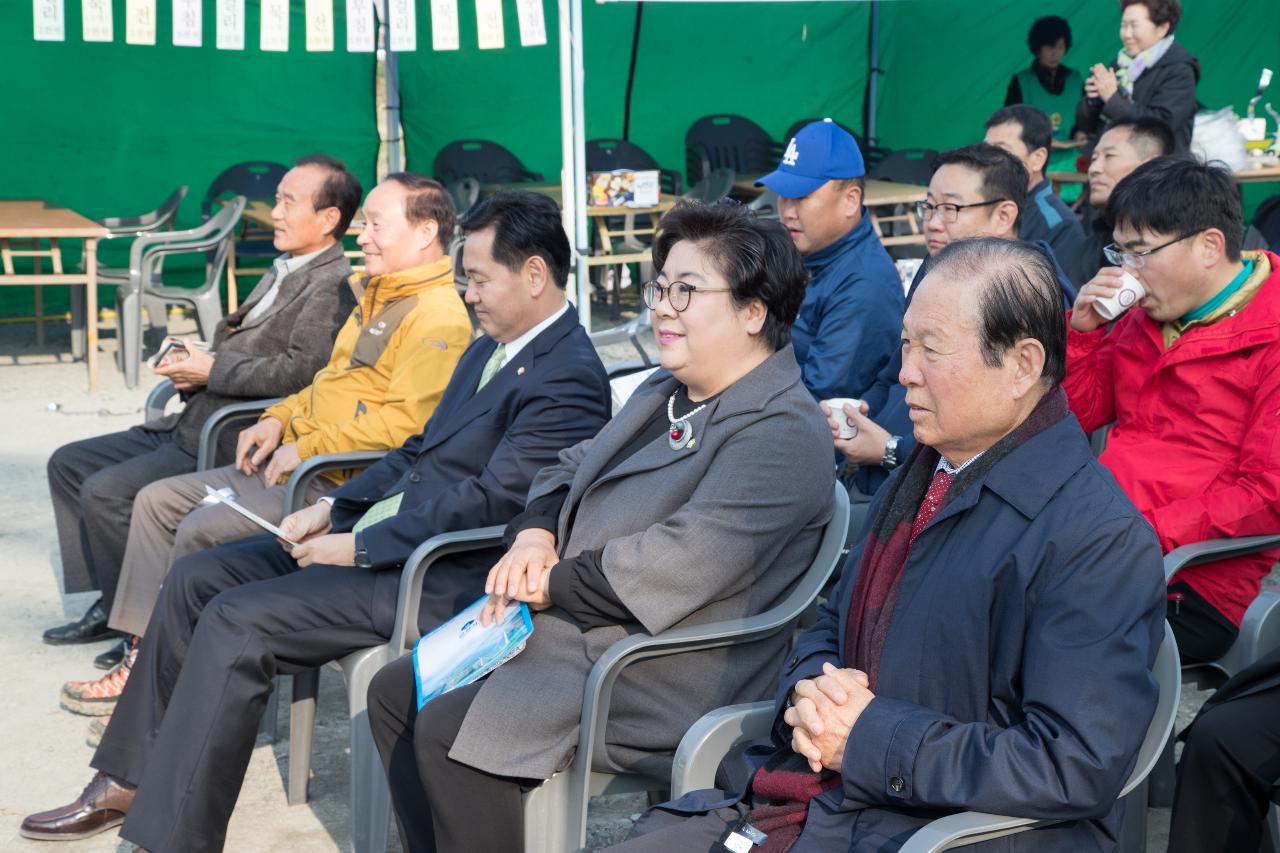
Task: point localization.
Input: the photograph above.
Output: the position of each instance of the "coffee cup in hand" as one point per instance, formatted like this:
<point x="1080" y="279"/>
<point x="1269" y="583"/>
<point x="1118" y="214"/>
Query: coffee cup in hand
<point x="838" y="416"/>
<point x="1130" y="293"/>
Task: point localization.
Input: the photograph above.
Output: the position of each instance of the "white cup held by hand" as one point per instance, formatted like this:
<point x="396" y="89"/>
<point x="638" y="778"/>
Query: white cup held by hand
<point x="837" y="404"/>
<point x="1130" y="293"/>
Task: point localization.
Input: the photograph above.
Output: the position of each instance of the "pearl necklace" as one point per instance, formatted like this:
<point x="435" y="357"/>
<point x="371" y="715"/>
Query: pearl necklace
<point x="681" y="434"/>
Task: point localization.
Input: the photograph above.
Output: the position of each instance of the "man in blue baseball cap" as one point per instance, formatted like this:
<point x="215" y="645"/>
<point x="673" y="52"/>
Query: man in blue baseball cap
<point x="851" y="317"/>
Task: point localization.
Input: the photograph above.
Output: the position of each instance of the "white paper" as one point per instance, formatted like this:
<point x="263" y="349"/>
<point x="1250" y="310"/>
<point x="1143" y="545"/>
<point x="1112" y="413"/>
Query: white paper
<point x="444" y="25"/>
<point x="403" y="18"/>
<point x="227" y="497"/>
<point x="50" y="20"/>
<point x="489" y="24"/>
<point x="188" y="23"/>
<point x="140" y="21"/>
<point x="230" y="25"/>
<point x="275" y="25"/>
<point x="319" y="25"/>
<point x="95" y="20"/>
<point x="360" y="30"/>
<point x="533" y="24"/>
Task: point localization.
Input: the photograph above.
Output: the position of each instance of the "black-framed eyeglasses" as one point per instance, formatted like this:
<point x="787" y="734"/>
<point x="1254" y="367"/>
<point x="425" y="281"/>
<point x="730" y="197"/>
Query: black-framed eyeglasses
<point x="1138" y="260"/>
<point x="949" y="212"/>
<point x="677" y="293"/>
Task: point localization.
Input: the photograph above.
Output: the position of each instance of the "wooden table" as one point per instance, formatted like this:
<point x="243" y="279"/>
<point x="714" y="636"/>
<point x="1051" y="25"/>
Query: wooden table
<point x="1248" y="176"/>
<point x="23" y="225"/>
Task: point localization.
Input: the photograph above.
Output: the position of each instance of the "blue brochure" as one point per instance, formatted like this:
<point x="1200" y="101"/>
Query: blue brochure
<point x="462" y="650"/>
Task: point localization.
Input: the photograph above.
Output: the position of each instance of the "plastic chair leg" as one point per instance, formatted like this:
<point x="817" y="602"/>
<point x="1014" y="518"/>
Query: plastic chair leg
<point x="370" y="795"/>
<point x="267" y="725"/>
<point x="1133" y="824"/>
<point x="78" y="326"/>
<point x="129" y="335"/>
<point x="302" y="726"/>
<point x="546" y="812"/>
<point x="1160" y="783"/>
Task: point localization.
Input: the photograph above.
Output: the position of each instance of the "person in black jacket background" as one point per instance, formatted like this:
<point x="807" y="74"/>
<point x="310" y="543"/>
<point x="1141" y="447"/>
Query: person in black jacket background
<point x="1153" y="76"/>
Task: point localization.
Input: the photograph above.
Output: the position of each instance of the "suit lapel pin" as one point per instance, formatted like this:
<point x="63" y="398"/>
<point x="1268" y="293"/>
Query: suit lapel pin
<point x="520" y="371"/>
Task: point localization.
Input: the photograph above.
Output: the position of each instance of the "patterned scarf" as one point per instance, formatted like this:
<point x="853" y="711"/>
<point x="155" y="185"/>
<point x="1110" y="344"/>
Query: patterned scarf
<point x="784" y="786"/>
<point x="1130" y="68"/>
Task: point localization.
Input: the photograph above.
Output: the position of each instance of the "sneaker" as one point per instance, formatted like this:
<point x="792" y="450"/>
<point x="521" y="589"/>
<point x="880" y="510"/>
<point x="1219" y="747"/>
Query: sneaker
<point x="98" y="698"/>
<point x="96" y="727"/>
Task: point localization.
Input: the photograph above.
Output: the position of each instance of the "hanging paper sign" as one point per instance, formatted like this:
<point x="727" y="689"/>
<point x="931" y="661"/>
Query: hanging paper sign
<point x="188" y="19"/>
<point x="360" y="32"/>
<point x="319" y="25"/>
<point x="533" y="25"/>
<point x="275" y="25"/>
<point x="489" y="24"/>
<point x="402" y="15"/>
<point x="95" y="20"/>
<point x="444" y="25"/>
<point x="230" y="25"/>
<point x="50" y="20"/>
<point x="140" y="21"/>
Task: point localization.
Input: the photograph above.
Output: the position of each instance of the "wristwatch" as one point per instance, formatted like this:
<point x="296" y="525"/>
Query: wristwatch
<point x="890" y="460"/>
<point x="362" y="554"/>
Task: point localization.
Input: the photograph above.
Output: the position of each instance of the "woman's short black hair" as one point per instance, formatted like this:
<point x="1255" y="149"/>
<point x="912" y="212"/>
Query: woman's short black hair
<point x="1159" y="11"/>
<point x="1180" y="196"/>
<point x="525" y="225"/>
<point x="340" y="189"/>
<point x="1021" y="298"/>
<point x="755" y="256"/>
<point x="428" y="199"/>
<point x="1046" y="31"/>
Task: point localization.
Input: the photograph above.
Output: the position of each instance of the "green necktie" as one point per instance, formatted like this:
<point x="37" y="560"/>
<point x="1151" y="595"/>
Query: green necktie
<point x="492" y="366"/>
<point x="384" y="508"/>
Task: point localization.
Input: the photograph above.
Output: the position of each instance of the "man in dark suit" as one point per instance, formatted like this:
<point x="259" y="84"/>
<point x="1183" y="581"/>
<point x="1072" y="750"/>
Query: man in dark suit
<point x="230" y="618"/>
<point x="270" y="347"/>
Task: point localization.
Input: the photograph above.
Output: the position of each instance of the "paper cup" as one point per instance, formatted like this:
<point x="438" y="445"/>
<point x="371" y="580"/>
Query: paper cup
<point x="837" y="404"/>
<point x="1129" y="294"/>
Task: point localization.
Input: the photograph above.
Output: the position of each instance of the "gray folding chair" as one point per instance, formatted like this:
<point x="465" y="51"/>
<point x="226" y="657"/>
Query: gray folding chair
<point x="630" y="331"/>
<point x="709" y="740"/>
<point x="556" y="811"/>
<point x="145" y="255"/>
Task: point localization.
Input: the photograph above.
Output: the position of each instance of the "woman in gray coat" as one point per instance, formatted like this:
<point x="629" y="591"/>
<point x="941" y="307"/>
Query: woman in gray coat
<point x="704" y="499"/>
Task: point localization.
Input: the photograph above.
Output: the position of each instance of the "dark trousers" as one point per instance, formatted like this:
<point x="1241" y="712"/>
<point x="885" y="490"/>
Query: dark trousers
<point x="1202" y="633"/>
<point x="1229" y="764"/>
<point x="440" y="805"/>
<point x="93" y="483"/>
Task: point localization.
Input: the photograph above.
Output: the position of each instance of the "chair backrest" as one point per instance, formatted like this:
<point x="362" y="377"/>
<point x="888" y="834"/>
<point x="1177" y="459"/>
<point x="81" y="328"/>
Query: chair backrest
<point x="1168" y="674"/>
<point x="906" y="166"/>
<point x="161" y="217"/>
<point x="488" y="162"/>
<point x="607" y="154"/>
<point x="765" y="205"/>
<point x="254" y="180"/>
<point x="213" y="236"/>
<point x="729" y="141"/>
<point x="713" y="187"/>
<point x="465" y="192"/>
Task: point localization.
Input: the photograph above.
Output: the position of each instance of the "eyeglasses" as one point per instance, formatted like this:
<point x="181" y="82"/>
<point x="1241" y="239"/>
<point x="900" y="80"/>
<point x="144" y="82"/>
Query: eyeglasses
<point x="677" y="293"/>
<point x="1138" y="260"/>
<point x="949" y="212"/>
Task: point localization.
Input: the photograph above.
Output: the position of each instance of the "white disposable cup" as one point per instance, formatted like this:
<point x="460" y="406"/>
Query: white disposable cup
<point x="1130" y="293"/>
<point x="837" y="404"/>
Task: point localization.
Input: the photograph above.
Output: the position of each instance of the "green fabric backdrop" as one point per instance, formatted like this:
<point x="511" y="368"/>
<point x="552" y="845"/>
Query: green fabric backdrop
<point x="110" y="129"/>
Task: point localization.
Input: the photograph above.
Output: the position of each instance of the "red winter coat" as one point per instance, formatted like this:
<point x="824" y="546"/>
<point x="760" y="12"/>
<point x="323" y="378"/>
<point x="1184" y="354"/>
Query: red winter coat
<point x="1196" y="441"/>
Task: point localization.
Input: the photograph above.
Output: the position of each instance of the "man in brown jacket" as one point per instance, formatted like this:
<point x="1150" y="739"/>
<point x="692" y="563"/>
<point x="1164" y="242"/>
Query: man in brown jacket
<point x="270" y="347"/>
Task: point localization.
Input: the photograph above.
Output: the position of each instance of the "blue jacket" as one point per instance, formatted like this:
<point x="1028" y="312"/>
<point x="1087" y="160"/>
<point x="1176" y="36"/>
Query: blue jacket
<point x="886" y="399"/>
<point x="1016" y="674"/>
<point x="851" y="316"/>
<point x="1046" y="218"/>
<point x="473" y="463"/>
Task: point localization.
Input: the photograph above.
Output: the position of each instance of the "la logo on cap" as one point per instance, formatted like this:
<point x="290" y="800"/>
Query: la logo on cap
<point x="792" y="154"/>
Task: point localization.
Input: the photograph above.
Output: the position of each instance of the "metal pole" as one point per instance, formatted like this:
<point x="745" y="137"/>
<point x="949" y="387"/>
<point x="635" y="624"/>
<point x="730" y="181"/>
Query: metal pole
<point x="391" y="72"/>
<point x="581" y="238"/>
<point x="568" y="197"/>
<point x="873" y="70"/>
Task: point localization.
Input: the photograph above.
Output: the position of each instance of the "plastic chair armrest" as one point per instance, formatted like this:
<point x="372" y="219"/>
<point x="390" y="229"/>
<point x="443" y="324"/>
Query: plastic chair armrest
<point x="222" y="419"/>
<point x="160" y="395"/>
<point x="405" y="631"/>
<point x="709" y="740"/>
<point x="963" y="828"/>
<point x="295" y="492"/>
<point x="1215" y="549"/>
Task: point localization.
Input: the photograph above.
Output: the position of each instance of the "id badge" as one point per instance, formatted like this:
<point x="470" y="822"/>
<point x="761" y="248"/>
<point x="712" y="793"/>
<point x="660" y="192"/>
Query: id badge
<point x="741" y="837"/>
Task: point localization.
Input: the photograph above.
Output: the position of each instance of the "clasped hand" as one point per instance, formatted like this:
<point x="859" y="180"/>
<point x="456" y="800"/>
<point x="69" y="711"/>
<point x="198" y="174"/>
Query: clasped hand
<point x="523" y="574"/>
<point x="309" y="527"/>
<point x="1102" y="83"/>
<point x="822" y="713"/>
<point x="256" y="443"/>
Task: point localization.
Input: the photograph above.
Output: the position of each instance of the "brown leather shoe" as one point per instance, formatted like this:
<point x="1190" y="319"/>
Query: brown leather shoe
<point x="101" y="805"/>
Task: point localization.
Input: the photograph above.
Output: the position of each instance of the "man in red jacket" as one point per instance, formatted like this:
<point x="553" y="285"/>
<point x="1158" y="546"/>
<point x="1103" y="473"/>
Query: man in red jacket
<point x="1191" y="379"/>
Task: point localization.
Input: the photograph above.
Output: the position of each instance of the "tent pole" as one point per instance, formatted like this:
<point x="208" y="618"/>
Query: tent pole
<point x="568" y="198"/>
<point x="873" y="70"/>
<point x="581" y="238"/>
<point x="391" y="71"/>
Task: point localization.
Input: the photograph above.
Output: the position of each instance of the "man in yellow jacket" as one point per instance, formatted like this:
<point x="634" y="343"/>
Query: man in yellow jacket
<point x="390" y="363"/>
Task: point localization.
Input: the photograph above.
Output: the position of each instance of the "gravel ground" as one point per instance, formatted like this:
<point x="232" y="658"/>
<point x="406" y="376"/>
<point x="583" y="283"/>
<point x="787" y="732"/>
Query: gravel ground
<point x="45" y="761"/>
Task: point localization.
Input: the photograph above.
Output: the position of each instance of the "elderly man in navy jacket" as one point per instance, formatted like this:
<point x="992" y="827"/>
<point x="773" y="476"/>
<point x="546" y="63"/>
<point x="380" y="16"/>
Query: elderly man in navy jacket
<point x="230" y="618"/>
<point x="852" y="310"/>
<point x="989" y="647"/>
